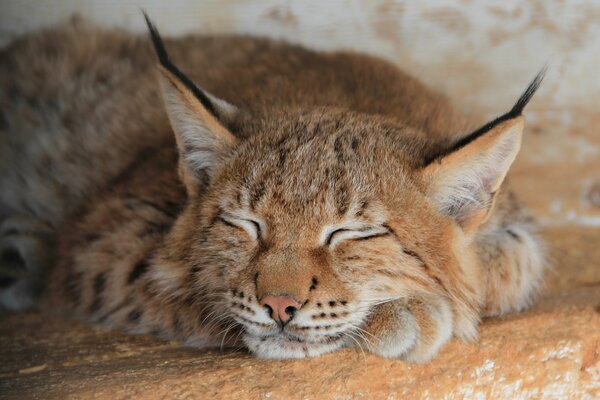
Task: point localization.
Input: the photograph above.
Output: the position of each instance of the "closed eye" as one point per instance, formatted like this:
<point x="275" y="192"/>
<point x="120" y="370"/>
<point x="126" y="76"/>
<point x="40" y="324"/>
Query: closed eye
<point x="253" y="227"/>
<point x="332" y="236"/>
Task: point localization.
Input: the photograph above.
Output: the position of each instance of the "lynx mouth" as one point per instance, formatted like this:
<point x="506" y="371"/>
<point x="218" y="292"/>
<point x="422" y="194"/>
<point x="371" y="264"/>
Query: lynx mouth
<point x="284" y="346"/>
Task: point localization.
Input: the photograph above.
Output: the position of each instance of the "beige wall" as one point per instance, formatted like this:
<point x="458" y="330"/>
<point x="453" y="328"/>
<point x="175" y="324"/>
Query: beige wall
<point x="481" y="53"/>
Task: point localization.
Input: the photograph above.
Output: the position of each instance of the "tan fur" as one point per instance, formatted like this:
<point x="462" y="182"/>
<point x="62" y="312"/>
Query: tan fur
<point x="308" y="143"/>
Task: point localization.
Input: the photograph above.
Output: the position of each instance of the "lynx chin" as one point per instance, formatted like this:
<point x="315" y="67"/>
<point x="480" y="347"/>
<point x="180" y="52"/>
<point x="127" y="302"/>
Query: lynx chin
<point x="244" y="192"/>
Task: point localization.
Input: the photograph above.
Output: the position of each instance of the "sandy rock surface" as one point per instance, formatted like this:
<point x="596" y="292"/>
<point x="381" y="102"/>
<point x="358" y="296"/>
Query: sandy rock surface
<point x="551" y="351"/>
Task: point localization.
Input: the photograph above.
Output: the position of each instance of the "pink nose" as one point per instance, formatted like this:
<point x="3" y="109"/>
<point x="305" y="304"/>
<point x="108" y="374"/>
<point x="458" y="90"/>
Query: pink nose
<point x="281" y="308"/>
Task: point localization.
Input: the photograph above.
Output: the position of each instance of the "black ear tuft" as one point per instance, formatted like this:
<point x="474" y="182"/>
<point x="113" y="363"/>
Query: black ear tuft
<point x="528" y="93"/>
<point x="165" y="62"/>
<point x="516" y="111"/>
<point x="159" y="46"/>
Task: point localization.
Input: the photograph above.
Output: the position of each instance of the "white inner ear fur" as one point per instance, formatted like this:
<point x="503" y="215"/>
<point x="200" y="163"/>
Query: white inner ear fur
<point x="464" y="182"/>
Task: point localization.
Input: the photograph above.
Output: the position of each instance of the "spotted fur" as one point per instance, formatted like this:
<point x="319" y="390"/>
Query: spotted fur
<point x="332" y="178"/>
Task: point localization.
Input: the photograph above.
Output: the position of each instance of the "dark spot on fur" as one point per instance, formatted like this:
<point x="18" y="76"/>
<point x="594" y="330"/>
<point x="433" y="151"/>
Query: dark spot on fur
<point x="354" y="144"/>
<point x="189" y="301"/>
<point x="333" y="315"/>
<point x="322" y="315"/>
<point x="140" y="269"/>
<point x="72" y="286"/>
<point x="362" y="208"/>
<point x="391" y="230"/>
<point x="96" y="305"/>
<point x="99" y="283"/>
<point x="135" y="315"/>
<point x="342" y="198"/>
<point x="241" y="294"/>
<point x="125" y="302"/>
<point x="313" y="284"/>
<point x="332" y="303"/>
<point x="91" y="237"/>
<point x="337" y="147"/>
<point x="344" y="302"/>
<point x="413" y="255"/>
<point x="282" y="159"/>
<point x="257" y="193"/>
<point x="321" y="255"/>
<point x="6" y="281"/>
<point x="388" y="272"/>
<point x="319" y="305"/>
<point x="12" y="257"/>
<point x="203" y="179"/>
<point x="513" y="235"/>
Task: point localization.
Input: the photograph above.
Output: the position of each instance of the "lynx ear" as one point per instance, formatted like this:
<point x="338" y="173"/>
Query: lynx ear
<point x="463" y="181"/>
<point x="198" y="120"/>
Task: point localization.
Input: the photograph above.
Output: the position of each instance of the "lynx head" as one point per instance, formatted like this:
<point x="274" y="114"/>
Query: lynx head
<point x="301" y="221"/>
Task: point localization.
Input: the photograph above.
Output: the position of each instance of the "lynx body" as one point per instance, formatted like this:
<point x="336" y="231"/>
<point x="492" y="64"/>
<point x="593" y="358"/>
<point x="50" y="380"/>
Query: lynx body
<point x="295" y="202"/>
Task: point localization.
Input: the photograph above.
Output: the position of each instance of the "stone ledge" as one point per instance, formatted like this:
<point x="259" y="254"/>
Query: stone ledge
<point x="551" y="351"/>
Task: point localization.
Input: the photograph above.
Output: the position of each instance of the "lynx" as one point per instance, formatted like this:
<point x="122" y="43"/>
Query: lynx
<point x="296" y="203"/>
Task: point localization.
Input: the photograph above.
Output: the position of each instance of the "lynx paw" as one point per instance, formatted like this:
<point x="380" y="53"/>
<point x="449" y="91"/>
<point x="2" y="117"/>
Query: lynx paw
<point x="411" y="329"/>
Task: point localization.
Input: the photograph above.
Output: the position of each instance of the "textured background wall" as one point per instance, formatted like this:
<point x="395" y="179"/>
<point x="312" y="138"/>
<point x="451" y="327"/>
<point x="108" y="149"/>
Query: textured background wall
<point x="481" y="54"/>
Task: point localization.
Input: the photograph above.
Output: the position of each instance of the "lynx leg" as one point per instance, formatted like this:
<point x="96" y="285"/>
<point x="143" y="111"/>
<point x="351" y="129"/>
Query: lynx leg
<point x="26" y="253"/>
<point x="514" y="264"/>
<point x="413" y="329"/>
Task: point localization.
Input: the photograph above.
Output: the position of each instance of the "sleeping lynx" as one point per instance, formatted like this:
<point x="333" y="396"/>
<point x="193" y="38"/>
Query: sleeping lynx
<point x="296" y="203"/>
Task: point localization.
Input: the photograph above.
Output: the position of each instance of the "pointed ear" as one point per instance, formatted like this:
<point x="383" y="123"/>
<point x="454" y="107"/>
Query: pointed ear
<point x="202" y="139"/>
<point x="198" y="120"/>
<point x="463" y="181"/>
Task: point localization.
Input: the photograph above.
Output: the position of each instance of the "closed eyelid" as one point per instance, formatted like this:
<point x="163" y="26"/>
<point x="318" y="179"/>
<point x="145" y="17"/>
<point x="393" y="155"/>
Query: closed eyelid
<point x="356" y="232"/>
<point x="254" y="227"/>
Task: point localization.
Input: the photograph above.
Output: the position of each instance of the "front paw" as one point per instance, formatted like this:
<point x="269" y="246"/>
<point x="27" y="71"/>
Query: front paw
<point x="412" y="329"/>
